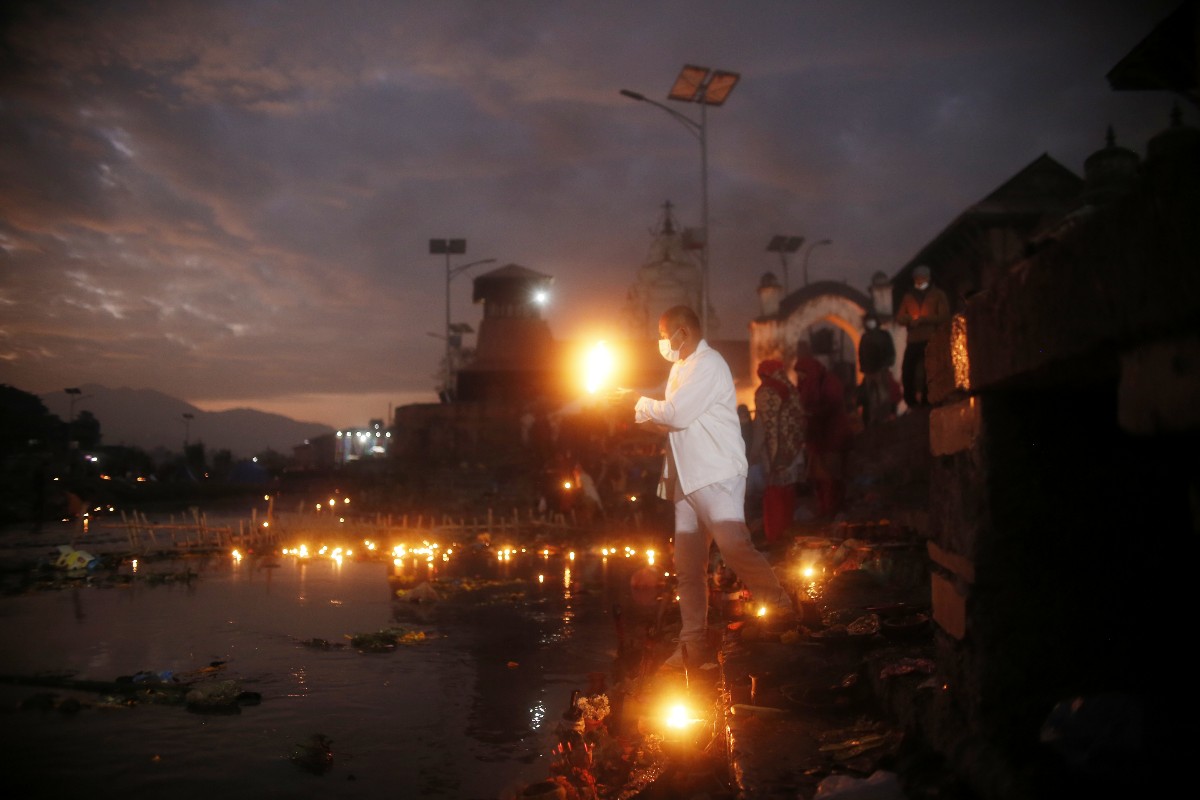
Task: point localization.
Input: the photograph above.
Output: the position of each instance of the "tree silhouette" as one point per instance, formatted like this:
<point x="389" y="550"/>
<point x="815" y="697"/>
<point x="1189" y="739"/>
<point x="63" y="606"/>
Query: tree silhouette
<point x="85" y="429"/>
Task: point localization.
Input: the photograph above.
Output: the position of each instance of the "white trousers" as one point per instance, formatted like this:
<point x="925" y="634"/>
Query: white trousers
<point x="716" y="513"/>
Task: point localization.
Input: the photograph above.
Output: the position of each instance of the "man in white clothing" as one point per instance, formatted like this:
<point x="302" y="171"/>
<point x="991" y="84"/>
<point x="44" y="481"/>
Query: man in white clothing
<point x="704" y="475"/>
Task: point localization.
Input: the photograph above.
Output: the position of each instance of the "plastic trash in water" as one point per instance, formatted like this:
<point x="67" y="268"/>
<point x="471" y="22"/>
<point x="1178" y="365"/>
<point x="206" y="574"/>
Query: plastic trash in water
<point x="70" y="558"/>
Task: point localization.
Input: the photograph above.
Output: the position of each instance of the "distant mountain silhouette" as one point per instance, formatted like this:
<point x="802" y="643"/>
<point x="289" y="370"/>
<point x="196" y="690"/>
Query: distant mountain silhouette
<point x="150" y="420"/>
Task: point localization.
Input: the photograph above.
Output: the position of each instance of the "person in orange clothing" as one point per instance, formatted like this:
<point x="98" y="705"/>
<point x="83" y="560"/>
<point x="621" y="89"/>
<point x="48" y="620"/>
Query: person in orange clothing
<point x="924" y="308"/>
<point x="827" y="433"/>
<point x="778" y="443"/>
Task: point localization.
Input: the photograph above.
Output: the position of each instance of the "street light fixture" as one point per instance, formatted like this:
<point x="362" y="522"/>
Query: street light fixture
<point x="784" y="245"/>
<point x="707" y="87"/>
<point x="449" y="247"/>
<point x="808" y="253"/>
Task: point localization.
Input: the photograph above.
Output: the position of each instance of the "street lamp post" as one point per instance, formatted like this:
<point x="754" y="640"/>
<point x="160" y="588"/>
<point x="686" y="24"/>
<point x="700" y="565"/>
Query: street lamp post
<point x="808" y="253"/>
<point x="784" y="245"/>
<point x="707" y="87"/>
<point x="450" y="247"/>
<point x="187" y="428"/>
<point x="74" y="395"/>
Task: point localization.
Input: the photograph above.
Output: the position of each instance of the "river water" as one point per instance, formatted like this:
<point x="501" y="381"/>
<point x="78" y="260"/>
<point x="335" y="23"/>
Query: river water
<point x="468" y="711"/>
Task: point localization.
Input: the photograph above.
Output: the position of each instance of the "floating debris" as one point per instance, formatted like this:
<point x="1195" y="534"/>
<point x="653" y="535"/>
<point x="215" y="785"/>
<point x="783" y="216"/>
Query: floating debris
<point x="194" y="689"/>
<point x="315" y="755"/>
<point x="71" y="559"/>
<point x="385" y="641"/>
<point x="421" y="593"/>
<point x="219" y="697"/>
<point x="322" y="644"/>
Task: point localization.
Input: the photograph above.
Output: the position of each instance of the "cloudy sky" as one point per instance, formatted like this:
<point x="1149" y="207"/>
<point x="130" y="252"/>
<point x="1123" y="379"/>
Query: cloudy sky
<point x="231" y="201"/>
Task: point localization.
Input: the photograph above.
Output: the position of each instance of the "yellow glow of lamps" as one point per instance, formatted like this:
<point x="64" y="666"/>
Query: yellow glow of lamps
<point x="599" y="367"/>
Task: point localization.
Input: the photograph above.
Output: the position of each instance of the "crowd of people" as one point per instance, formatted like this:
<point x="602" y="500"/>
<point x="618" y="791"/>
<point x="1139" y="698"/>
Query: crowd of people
<point x="799" y="433"/>
<point x="724" y="467"/>
<point x="795" y="441"/>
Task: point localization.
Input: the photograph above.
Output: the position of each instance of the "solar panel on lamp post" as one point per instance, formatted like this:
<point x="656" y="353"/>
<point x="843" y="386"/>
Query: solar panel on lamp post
<point x="450" y="247"/>
<point x="707" y="87"/>
<point x="784" y="245"/>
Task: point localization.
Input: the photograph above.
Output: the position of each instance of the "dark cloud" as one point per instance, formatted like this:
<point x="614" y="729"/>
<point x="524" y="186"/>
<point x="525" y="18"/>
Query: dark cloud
<point x="231" y="201"/>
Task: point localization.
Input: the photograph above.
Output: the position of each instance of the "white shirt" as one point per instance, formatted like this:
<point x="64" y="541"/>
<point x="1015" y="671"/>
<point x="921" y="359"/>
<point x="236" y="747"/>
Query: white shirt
<point x="700" y="412"/>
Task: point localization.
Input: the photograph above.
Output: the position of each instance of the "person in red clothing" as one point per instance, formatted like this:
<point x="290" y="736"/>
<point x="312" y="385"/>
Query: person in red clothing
<point x="827" y="434"/>
<point x="778" y="443"/>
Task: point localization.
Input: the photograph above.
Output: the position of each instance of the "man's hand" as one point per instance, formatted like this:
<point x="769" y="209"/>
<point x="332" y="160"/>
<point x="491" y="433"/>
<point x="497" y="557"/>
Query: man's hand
<point x="622" y="399"/>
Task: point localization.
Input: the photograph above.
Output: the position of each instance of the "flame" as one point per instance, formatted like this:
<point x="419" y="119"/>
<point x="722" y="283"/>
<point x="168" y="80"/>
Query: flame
<point x="599" y="369"/>
<point x="679" y="715"/>
<point x="959" y="352"/>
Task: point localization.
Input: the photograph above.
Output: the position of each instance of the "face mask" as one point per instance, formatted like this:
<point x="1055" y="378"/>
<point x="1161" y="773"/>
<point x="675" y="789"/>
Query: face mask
<point x="664" y="348"/>
<point x="871" y="324"/>
<point x="921" y="285"/>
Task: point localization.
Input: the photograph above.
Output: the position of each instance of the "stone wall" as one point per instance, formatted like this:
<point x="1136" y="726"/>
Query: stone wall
<point x="1050" y="515"/>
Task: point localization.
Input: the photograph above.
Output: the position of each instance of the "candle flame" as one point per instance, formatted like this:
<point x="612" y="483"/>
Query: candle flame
<point x="679" y="716"/>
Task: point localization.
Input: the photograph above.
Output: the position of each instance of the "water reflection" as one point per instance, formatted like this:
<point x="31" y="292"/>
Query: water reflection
<point x="463" y="714"/>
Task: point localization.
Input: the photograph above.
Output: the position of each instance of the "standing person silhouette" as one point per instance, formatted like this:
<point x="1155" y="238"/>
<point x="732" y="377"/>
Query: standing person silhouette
<point x="827" y="435"/>
<point x="779" y="419"/>
<point x="704" y="475"/>
<point x="923" y="308"/>
<point x="755" y="479"/>
<point x="876" y="356"/>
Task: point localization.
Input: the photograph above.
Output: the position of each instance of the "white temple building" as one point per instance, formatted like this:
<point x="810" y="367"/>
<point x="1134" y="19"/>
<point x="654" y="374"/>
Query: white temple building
<point x="670" y="276"/>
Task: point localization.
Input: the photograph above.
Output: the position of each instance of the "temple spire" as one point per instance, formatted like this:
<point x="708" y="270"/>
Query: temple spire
<point x="667" y="225"/>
